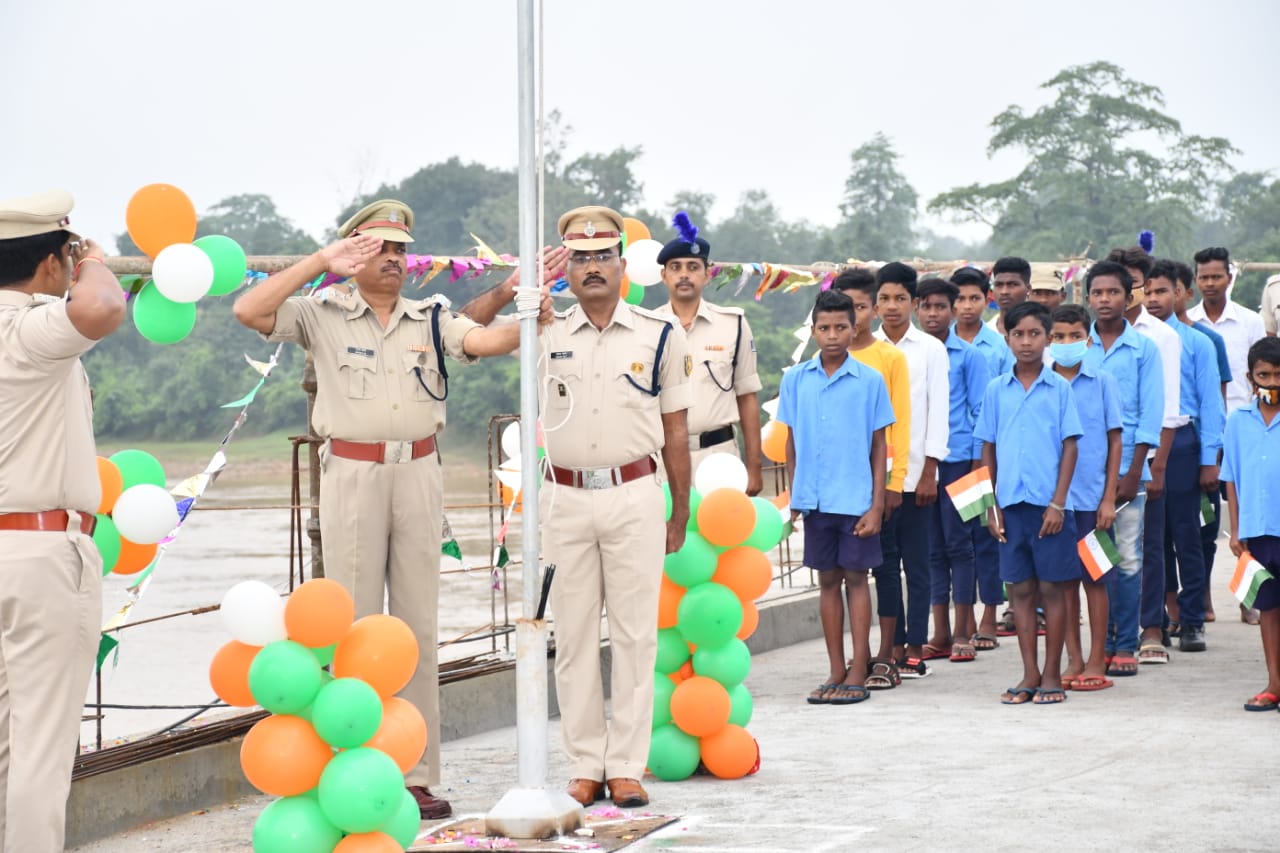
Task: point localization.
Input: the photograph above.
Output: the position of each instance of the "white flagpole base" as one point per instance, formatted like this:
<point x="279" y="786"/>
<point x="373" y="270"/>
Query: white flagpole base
<point x="533" y="813"/>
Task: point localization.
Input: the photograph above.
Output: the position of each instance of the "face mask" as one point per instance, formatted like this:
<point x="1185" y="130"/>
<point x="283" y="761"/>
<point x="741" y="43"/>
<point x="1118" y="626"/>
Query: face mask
<point x="1268" y="394"/>
<point x="1068" y="355"/>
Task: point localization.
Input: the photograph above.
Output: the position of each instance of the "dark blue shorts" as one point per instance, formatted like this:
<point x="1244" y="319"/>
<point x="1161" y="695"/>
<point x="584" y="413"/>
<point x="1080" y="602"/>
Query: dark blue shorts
<point x="1266" y="550"/>
<point x="829" y="543"/>
<point x="1086" y="522"/>
<point x="1026" y="557"/>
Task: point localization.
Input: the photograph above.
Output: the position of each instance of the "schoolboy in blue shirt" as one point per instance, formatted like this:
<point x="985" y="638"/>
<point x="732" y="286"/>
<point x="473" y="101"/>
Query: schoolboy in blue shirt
<point x="1093" y="486"/>
<point x="1251" y="470"/>
<point x="837" y="410"/>
<point x="951" y="561"/>
<point x="1029" y="426"/>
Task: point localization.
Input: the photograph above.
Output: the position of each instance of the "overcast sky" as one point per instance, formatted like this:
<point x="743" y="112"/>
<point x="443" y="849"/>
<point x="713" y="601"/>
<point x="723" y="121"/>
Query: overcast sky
<point x="313" y="102"/>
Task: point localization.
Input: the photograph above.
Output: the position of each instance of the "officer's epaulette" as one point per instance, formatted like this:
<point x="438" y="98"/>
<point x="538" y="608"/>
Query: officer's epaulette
<point x="653" y="315"/>
<point x="731" y="310"/>
<point x="339" y="295"/>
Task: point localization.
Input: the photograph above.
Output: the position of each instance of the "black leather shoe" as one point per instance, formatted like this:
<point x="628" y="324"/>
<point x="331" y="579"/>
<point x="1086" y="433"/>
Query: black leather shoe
<point x="1192" y="639"/>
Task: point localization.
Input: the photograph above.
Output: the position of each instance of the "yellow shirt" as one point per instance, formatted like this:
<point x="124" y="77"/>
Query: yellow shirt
<point x="891" y="364"/>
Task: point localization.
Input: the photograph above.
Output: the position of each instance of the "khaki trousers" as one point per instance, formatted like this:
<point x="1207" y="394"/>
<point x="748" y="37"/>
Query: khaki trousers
<point x="380" y="525"/>
<point x="50" y="612"/>
<point x="607" y="546"/>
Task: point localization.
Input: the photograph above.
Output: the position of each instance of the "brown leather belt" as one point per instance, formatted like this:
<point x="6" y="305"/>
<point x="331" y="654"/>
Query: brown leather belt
<point x="52" y="520"/>
<point x="383" y="451"/>
<point x="601" y="478"/>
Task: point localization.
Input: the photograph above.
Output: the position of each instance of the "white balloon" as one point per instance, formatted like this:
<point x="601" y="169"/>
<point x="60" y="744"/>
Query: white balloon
<point x="253" y="613"/>
<point x="145" y="514"/>
<point x="511" y="439"/>
<point x="720" y="471"/>
<point x="642" y="262"/>
<point x="182" y="272"/>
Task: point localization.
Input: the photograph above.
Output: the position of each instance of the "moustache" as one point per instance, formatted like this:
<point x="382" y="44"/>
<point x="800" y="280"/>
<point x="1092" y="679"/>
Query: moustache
<point x="392" y="265"/>
<point x="593" y="278"/>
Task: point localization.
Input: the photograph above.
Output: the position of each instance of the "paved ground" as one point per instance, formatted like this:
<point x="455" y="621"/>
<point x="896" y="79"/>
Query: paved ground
<point x="1165" y="760"/>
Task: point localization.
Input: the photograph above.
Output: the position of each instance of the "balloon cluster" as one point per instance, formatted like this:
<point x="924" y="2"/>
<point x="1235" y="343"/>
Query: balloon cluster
<point x="136" y="511"/>
<point x="337" y="743"/>
<point x="162" y="222"/>
<point x="706" y="610"/>
<point x="641" y="254"/>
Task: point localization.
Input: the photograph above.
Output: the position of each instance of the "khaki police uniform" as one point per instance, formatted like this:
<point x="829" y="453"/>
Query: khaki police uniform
<point x="607" y="541"/>
<point x="1270" y="309"/>
<point x="381" y="389"/>
<point x="718" y="337"/>
<point x="51" y="572"/>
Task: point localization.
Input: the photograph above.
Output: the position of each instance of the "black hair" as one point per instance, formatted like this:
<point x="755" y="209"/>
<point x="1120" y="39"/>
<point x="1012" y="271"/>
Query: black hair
<point x="938" y="287"/>
<point x="1164" y="268"/>
<point x="1018" y="266"/>
<point x="1023" y="310"/>
<point x="860" y="279"/>
<point x="834" y="301"/>
<point x="1214" y="253"/>
<point x="1186" y="275"/>
<point x="1072" y="313"/>
<point x="1112" y="268"/>
<point x="1134" y="257"/>
<point x="19" y="256"/>
<point x="896" y="272"/>
<point x="1264" y="349"/>
<point x="973" y="276"/>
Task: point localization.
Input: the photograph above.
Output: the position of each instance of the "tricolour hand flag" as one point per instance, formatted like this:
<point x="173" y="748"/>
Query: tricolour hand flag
<point x="1207" y="515"/>
<point x="1098" y="552"/>
<point x="973" y="494"/>
<point x="1248" y="577"/>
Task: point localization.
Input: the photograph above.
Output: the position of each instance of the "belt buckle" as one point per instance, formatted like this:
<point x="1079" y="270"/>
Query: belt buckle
<point x="597" y="478"/>
<point x="397" y="451"/>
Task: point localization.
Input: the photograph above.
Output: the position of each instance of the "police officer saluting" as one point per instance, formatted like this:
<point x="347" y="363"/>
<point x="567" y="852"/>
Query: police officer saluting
<point x="50" y="570"/>
<point x="614" y="389"/>
<point x="724" y="380"/>
<point x="381" y="384"/>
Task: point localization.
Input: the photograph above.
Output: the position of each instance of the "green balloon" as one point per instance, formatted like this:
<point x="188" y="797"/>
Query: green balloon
<point x="693" y="564"/>
<point x="673" y="755"/>
<point x="710" y="615"/>
<point x="305" y="713"/>
<point x="138" y="467"/>
<point x="294" y="825"/>
<point x="405" y="823"/>
<point x="673" y="651"/>
<point x="635" y="294"/>
<point x="666" y="497"/>
<point x="346" y="713"/>
<point x="768" y="530"/>
<point x="361" y="789"/>
<point x="695" y="501"/>
<point x="324" y="654"/>
<point x="729" y="664"/>
<point x="663" y="687"/>
<point x="228" y="260"/>
<point x="740" y="705"/>
<point x="160" y="319"/>
<point x="284" y="677"/>
<point x="107" y="538"/>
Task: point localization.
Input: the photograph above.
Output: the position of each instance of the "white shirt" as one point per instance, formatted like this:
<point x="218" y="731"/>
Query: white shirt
<point x="994" y="324"/>
<point x="929" y="371"/>
<point x="1170" y="346"/>
<point x="1240" y="329"/>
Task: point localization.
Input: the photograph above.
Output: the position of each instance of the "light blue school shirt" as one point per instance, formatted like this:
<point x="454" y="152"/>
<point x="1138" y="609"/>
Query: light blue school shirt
<point x="1201" y="395"/>
<point x="1098" y="404"/>
<point x="1251" y="460"/>
<point x="1028" y="426"/>
<point x="1219" y="348"/>
<point x="1134" y="361"/>
<point x="968" y="376"/>
<point x="832" y="419"/>
<point x="993" y="347"/>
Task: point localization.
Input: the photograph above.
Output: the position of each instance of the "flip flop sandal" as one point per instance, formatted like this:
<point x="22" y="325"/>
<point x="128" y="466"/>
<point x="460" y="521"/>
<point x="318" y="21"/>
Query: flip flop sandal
<point x="1264" y="701"/>
<point x="963" y="653"/>
<point x="1051" y="691"/>
<point x="984" y="642"/>
<point x="882" y="674"/>
<point x="1005" y="627"/>
<point x="1011" y="696"/>
<point x="819" y="696"/>
<point x="1069" y="681"/>
<point x="1092" y="682"/>
<point x="932" y="652"/>
<point x="913" y="668"/>
<point x="1152" y="651"/>
<point x="849" y="694"/>
<point x="1126" y="660"/>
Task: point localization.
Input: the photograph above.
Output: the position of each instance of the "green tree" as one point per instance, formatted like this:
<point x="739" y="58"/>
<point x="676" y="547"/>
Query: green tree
<point x="253" y="221"/>
<point x="879" y="208"/>
<point x="1250" y="227"/>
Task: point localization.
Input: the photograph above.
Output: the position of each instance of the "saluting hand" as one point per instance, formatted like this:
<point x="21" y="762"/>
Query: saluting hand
<point x="347" y="257"/>
<point x="553" y="264"/>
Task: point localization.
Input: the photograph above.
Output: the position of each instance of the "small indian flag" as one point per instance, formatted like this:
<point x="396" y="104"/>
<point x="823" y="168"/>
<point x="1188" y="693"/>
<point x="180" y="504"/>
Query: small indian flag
<point x="1098" y="552"/>
<point x="1207" y="515"/>
<point x="1248" y="577"/>
<point x="888" y="464"/>
<point x="973" y="494"/>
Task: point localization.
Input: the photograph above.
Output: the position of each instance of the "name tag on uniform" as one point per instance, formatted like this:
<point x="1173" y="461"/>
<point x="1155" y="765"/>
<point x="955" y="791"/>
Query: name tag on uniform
<point x="714" y="348"/>
<point x="367" y="353"/>
<point x="562" y="354"/>
<point x="419" y="348"/>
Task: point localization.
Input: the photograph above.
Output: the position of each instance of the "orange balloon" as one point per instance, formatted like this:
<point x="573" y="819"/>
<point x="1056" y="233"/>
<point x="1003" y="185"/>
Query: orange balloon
<point x="684" y="672"/>
<point x="283" y="756"/>
<point x="750" y="620"/>
<point x="746" y="571"/>
<point x="700" y="706"/>
<point x="134" y="557"/>
<point x="368" y="842"/>
<point x="112" y="483"/>
<point x="729" y="753"/>
<point x="160" y="215"/>
<point x="773" y="441"/>
<point x="403" y="733"/>
<point x="635" y="230"/>
<point x="379" y="649"/>
<point x="229" y="673"/>
<point x="726" y="517"/>
<point x="669" y="595"/>
<point x="318" y="613"/>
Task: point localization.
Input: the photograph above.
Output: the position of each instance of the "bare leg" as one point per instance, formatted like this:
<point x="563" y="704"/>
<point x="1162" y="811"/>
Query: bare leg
<point x="1022" y="598"/>
<point x="1055" y="618"/>
<point x="888" y="624"/>
<point x="1095" y="594"/>
<point x="941" y="638"/>
<point x="1075" y="652"/>
<point x="858" y="594"/>
<point x="831" y="609"/>
<point x="966" y="624"/>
